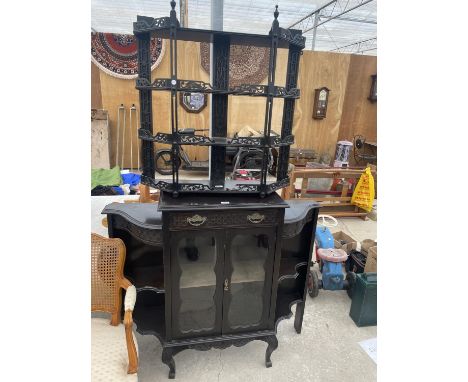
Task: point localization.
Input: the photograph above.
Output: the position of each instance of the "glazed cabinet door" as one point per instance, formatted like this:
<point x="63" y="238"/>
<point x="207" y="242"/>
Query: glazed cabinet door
<point x="248" y="268"/>
<point x="197" y="283"/>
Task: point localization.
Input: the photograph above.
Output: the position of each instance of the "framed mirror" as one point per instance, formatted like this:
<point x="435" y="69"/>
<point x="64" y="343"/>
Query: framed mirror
<point x="320" y="103"/>
<point x="193" y="102"/>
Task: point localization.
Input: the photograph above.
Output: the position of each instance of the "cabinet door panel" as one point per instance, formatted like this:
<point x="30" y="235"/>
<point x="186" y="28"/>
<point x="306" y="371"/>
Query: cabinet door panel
<point x="248" y="272"/>
<point x="196" y="260"/>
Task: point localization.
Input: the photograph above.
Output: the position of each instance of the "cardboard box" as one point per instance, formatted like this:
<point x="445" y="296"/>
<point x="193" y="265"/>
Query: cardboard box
<point x="371" y="262"/>
<point x="366" y="244"/>
<point x="344" y="241"/>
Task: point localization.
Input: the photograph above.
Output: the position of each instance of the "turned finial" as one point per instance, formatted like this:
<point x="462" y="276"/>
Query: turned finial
<point x="276" y="12"/>
<point x="173" y="5"/>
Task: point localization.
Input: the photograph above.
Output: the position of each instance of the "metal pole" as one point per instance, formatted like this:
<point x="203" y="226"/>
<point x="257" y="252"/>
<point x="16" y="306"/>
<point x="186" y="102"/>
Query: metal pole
<point x="342" y="13"/>
<point x="316" y="20"/>
<point x="217" y="8"/>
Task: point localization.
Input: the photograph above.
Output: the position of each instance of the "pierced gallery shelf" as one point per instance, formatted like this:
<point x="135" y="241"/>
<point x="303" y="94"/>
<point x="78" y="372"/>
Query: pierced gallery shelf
<point x="202" y="186"/>
<point x="179" y="138"/>
<point x="161" y="27"/>
<point x="161" y="84"/>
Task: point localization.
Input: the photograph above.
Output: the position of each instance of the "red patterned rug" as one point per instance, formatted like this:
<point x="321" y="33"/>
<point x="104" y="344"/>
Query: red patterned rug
<point x="116" y="54"/>
<point x="247" y="64"/>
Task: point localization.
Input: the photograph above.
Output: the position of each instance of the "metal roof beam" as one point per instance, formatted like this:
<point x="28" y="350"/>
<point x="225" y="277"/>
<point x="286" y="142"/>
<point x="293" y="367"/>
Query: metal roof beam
<point x="360" y="46"/>
<point x="343" y="7"/>
<point x="363" y="2"/>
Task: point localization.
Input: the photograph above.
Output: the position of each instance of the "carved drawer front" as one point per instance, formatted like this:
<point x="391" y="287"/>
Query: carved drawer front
<point x="244" y="218"/>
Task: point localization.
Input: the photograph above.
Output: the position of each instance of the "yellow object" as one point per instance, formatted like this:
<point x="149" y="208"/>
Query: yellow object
<point x="363" y="195"/>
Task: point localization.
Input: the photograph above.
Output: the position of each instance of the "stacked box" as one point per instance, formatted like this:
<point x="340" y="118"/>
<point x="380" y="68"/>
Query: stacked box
<point x="344" y="241"/>
<point x="371" y="262"/>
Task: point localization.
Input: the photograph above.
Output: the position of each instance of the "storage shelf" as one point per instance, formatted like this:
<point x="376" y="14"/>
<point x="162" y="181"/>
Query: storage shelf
<point x="161" y="84"/>
<point x="147" y="276"/>
<point x="284" y="301"/>
<point x="200" y="140"/>
<point x="149" y="313"/>
<point x="290" y="267"/>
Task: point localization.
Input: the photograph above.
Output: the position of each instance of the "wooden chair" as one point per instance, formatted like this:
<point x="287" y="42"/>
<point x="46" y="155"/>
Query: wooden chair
<point x="114" y="355"/>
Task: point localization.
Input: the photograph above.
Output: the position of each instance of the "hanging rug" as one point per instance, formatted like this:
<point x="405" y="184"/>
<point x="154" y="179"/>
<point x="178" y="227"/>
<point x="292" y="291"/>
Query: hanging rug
<point x="116" y="54"/>
<point x="247" y="64"/>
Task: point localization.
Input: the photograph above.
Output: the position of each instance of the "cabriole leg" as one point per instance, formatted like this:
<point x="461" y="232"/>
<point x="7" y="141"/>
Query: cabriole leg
<point x="167" y="358"/>
<point x="272" y="345"/>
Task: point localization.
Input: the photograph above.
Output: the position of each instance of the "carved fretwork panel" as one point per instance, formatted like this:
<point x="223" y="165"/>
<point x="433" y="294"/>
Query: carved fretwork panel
<point x="146" y="119"/>
<point x="219" y="109"/>
<point x="288" y="110"/>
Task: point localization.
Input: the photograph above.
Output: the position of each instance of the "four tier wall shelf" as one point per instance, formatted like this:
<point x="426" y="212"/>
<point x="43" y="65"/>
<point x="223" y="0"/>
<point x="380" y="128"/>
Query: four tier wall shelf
<point x="216" y="263"/>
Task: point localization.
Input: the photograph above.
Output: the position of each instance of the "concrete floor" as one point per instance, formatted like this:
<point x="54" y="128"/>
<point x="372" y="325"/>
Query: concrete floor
<point x="326" y="350"/>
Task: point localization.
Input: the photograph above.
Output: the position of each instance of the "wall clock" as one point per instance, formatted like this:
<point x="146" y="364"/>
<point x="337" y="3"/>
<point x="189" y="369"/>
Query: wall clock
<point x="320" y="103"/>
<point x="193" y="102"/>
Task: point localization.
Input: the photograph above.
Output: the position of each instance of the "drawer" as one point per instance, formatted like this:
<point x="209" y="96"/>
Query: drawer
<point x="223" y="218"/>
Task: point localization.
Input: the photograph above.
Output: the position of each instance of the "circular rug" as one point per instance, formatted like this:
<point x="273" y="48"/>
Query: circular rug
<point x="247" y="64"/>
<point x="116" y="54"/>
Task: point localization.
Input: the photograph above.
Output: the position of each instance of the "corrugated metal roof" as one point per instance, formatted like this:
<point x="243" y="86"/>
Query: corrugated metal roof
<point x="360" y="24"/>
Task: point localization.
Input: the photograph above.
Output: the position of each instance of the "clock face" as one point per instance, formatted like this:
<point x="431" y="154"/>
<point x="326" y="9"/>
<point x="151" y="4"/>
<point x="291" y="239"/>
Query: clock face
<point x="323" y="95"/>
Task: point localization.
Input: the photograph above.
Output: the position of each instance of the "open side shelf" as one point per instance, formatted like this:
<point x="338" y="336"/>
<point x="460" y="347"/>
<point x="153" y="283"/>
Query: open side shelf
<point x="149" y="313"/>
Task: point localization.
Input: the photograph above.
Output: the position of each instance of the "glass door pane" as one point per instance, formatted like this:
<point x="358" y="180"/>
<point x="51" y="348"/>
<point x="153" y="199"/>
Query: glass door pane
<point x="194" y="305"/>
<point x="247" y="297"/>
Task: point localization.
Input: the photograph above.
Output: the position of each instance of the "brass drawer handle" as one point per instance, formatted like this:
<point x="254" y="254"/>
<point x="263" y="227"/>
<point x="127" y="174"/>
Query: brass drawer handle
<point x="196" y="220"/>
<point x="255" y="218"/>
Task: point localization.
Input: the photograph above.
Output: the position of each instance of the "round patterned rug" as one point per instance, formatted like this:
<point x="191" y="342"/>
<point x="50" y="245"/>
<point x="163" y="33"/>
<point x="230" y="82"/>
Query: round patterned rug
<point x="116" y="54"/>
<point x="247" y="64"/>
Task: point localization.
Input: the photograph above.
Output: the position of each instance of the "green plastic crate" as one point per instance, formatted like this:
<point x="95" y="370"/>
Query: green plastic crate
<point x="364" y="304"/>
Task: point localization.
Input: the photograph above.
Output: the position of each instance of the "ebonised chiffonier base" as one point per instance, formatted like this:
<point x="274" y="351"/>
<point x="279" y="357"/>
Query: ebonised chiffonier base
<point x="190" y="256"/>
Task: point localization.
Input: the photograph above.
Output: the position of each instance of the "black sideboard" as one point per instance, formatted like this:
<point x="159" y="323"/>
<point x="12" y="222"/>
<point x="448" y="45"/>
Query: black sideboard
<point x="213" y="271"/>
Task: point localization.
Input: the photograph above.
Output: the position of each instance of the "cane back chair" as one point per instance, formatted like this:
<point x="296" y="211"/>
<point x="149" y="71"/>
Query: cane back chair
<point x="114" y="352"/>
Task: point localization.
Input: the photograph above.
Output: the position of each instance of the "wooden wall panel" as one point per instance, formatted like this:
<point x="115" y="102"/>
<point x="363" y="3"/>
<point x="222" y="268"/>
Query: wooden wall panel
<point x="96" y="97"/>
<point x="318" y="69"/>
<point x="359" y="114"/>
<point x="116" y="91"/>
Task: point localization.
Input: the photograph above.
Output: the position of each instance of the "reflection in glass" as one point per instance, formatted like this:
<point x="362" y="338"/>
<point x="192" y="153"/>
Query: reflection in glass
<point x="248" y="256"/>
<point x="197" y="259"/>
